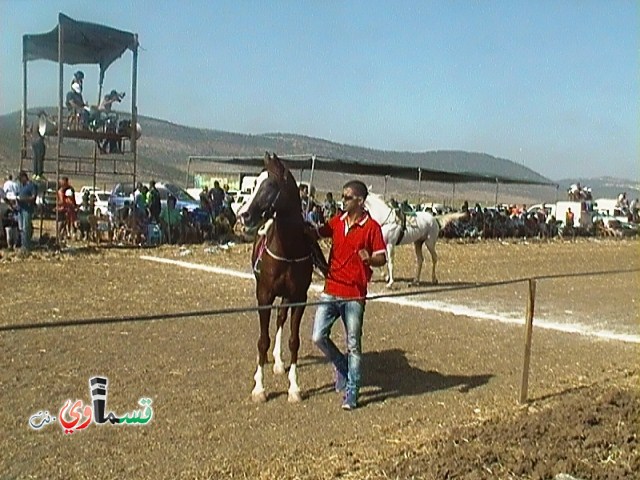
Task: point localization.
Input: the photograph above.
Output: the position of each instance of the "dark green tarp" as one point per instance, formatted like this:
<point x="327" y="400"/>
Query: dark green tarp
<point x="83" y="43"/>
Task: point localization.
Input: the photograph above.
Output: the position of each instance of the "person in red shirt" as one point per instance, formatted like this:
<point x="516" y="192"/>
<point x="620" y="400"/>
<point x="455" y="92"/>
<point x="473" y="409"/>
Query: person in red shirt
<point x="66" y="205"/>
<point x="357" y="246"/>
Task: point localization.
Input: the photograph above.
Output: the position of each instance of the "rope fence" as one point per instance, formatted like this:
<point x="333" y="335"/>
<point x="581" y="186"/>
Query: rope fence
<point x="530" y="307"/>
<point x="247" y="309"/>
<point x="234" y="310"/>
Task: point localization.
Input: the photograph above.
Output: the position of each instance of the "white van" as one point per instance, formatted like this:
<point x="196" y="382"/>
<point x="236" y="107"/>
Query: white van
<point x="608" y="206"/>
<point x="248" y="183"/>
<point x="582" y="213"/>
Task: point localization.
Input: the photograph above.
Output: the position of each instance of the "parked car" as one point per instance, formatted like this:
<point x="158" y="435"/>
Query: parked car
<point x="238" y="199"/>
<point x="122" y="192"/>
<point x="101" y="203"/>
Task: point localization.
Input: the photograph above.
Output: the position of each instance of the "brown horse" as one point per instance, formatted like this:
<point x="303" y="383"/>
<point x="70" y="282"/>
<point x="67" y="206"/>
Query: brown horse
<point x="282" y="264"/>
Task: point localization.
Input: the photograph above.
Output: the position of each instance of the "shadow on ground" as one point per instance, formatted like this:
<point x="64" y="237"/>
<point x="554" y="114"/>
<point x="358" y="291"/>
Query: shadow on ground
<point x="392" y="376"/>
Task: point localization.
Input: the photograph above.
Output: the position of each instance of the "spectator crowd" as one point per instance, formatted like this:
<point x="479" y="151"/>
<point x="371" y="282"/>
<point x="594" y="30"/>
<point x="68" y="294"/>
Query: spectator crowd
<point x="146" y="219"/>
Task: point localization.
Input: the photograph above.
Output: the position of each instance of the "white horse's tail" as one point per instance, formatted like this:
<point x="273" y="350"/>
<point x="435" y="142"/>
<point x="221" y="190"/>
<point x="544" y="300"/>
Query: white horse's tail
<point x="444" y="220"/>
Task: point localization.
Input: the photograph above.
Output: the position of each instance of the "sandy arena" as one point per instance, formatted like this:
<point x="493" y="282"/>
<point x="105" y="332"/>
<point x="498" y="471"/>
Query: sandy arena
<point x="440" y="395"/>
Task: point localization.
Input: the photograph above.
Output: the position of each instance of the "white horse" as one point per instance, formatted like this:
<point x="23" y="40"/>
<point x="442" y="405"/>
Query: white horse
<point x="421" y="228"/>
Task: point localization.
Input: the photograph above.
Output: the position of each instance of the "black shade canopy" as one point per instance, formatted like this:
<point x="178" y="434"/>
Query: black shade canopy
<point x="409" y="172"/>
<point x="83" y="43"/>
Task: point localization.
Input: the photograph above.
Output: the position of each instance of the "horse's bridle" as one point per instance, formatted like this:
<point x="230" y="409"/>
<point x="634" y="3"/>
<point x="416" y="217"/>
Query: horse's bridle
<point x="270" y="213"/>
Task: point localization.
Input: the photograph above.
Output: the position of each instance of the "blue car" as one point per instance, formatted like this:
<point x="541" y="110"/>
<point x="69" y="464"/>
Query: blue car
<point x="124" y="192"/>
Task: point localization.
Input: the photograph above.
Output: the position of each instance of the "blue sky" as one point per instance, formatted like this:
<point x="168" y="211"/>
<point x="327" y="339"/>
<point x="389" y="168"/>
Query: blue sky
<point x="553" y="85"/>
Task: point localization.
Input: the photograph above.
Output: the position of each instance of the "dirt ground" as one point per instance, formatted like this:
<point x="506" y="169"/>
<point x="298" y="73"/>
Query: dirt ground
<point x="440" y="394"/>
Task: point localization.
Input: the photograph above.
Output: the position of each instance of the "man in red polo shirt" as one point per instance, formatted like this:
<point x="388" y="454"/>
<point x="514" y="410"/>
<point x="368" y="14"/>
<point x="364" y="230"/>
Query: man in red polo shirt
<point x="357" y="246"/>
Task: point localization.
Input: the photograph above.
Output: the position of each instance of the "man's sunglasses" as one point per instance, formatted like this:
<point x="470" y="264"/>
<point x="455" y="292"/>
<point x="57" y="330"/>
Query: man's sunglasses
<point x="348" y="198"/>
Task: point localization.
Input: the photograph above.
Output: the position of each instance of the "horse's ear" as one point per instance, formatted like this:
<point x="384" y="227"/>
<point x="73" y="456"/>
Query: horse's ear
<point x="278" y="166"/>
<point x="274" y="165"/>
<point x="370" y="188"/>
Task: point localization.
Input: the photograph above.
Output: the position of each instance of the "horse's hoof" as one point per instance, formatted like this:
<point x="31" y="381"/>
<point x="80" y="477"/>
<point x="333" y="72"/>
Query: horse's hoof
<point x="278" y="368"/>
<point x="435" y="281"/>
<point x="294" y="397"/>
<point x="389" y="284"/>
<point x="415" y="283"/>
<point x="260" y="397"/>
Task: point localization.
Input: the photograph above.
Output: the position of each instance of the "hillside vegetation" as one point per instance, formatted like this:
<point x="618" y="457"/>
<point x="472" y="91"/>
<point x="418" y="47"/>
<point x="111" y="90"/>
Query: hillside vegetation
<point x="164" y="148"/>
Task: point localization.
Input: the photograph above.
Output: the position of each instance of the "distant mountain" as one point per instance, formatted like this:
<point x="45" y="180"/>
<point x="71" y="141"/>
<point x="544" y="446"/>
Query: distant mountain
<point x="164" y="148"/>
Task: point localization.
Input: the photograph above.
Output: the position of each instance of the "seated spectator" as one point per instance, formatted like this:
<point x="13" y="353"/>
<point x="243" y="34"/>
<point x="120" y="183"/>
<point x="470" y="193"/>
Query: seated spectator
<point x="75" y="102"/>
<point x="201" y="223"/>
<point x="576" y="192"/>
<point x="109" y="99"/>
<point x="622" y="202"/>
<point x="315" y="216"/>
<point x="122" y="214"/>
<point x="105" y="116"/>
<point x="188" y="231"/>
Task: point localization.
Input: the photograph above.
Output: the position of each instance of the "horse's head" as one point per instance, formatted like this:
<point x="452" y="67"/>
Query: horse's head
<point x="377" y="207"/>
<point x="275" y="192"/>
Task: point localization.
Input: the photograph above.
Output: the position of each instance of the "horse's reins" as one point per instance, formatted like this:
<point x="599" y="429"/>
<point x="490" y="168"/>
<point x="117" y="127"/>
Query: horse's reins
<point x="385" y="221"/>
<point x="278" y="257"/>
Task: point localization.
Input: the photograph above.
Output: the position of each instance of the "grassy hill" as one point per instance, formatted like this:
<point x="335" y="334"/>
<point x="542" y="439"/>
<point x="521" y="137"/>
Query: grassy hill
<point x="164" y="148"/>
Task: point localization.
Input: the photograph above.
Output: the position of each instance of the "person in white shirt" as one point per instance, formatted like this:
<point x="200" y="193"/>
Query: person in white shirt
<point x="11" y="186"/>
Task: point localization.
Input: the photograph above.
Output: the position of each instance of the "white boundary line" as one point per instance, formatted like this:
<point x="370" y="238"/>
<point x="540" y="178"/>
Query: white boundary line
<point x="458" y="310"/>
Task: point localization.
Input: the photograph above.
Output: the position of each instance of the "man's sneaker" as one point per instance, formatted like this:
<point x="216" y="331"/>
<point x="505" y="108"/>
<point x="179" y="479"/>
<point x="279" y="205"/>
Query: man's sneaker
<point x="341" y="382"/>
<point x="350" y="401"/>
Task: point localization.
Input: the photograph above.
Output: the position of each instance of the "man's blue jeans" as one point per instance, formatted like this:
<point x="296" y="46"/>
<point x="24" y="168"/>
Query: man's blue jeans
<point x="352" y="314"/>
<point x="26" y="228"/>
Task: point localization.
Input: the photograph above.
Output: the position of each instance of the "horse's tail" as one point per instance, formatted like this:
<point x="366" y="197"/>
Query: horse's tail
<point x="444" y="220"/>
